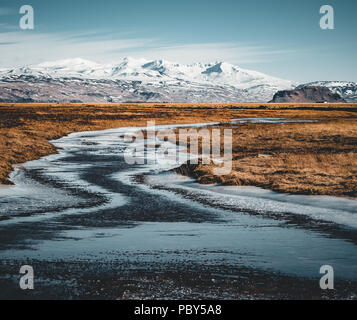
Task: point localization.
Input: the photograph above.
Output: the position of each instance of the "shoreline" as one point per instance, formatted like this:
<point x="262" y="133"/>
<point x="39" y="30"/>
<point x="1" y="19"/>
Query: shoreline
<point x="302" y="158"/>
<point x="204" y="176"/>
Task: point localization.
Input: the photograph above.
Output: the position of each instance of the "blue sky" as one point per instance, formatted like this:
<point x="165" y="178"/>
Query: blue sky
<point x="278" y="37"/>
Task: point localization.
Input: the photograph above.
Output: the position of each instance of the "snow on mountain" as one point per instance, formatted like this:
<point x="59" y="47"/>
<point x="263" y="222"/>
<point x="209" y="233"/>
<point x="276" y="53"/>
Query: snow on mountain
<point x="140" y="80"/>
<point x="347" y="90"/>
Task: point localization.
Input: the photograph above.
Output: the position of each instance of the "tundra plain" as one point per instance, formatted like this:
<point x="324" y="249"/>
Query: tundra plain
<point x="317" y="158"/>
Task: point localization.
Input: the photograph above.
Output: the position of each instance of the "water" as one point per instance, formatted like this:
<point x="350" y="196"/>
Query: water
<point x="86" y="203"/>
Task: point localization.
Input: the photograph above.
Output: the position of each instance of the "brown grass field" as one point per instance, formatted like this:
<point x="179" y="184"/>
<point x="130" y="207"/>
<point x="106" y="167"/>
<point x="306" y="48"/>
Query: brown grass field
<point x="304" y="158"/>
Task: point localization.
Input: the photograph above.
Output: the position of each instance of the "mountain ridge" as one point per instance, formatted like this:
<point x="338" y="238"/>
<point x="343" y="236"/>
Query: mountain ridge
<point x="142" y="69"/>
<point x="138" y="80"/>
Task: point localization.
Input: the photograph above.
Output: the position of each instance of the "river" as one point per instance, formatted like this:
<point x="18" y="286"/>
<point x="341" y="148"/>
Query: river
<point x="84" y="215"/>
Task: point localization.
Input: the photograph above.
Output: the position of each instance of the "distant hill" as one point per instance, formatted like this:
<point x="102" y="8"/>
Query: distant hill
<point x="346" y="89"/>
<point x="313" y="94"/>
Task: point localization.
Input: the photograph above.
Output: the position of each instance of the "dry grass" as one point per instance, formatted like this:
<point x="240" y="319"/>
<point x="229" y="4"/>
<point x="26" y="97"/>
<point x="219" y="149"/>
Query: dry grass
<point x="311" y="158"/>
<point x="304" y="158"/>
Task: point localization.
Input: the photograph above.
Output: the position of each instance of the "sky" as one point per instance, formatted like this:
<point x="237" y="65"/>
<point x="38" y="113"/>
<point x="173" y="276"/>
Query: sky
<point x="281" y="38"/>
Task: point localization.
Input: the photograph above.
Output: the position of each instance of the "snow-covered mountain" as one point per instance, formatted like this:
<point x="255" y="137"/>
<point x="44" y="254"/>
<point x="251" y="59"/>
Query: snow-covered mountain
<point x="136" y="80"/>
<point x="140" y="80"/>
<point x="347" y="90"/>
<point x="221" y="73"/>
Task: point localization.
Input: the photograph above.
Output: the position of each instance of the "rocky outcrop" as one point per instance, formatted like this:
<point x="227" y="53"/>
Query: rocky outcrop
<point x="313" y="94"/>
<point x="346" y="89"/>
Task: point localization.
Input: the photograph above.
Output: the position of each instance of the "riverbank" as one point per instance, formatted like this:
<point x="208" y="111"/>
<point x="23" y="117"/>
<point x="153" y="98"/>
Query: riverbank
<point x="312" y="158"/>
<point x="308" y="158"/>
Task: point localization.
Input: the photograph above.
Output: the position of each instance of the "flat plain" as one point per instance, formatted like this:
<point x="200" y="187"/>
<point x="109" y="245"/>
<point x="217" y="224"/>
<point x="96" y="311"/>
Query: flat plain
<point x="299" y="157"/>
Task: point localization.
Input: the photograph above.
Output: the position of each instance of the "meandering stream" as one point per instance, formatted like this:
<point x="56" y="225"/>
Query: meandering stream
<point x="87" y="204"/>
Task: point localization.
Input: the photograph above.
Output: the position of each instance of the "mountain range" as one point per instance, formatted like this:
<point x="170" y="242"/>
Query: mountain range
<point x="140" y="80"/>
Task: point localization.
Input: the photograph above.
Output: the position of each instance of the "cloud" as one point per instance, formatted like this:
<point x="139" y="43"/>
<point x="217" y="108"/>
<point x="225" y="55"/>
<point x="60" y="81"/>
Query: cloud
<point x="27" y="47"/>
<point x="237" y="53"/>
<point x="6" y="43"/>
<point x="31" y="47"/>
<point x="7" y="11"/>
